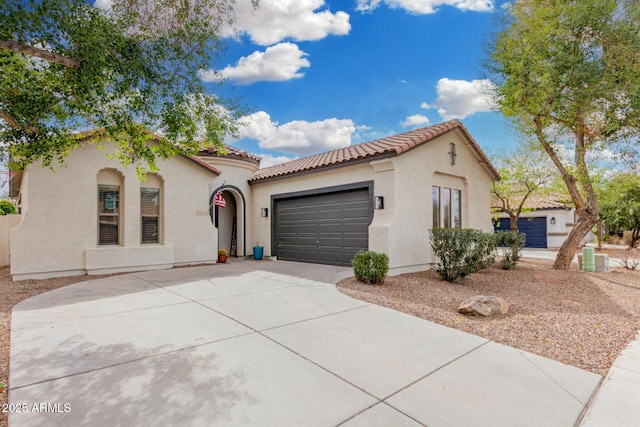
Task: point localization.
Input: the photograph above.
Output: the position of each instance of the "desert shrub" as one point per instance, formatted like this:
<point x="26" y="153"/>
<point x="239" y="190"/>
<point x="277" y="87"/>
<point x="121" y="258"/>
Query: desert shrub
<point x="461" y="252"/>
<point x="370" y="267"/>
<point x="7" y="208"/>
<point x="629" y="258"/>
<point x="510" y="245"/>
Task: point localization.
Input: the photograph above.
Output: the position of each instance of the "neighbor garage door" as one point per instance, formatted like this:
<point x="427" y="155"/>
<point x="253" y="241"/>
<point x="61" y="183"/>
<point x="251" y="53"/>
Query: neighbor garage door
<point x="325" y="228"/>
<point x="534" y="228"/>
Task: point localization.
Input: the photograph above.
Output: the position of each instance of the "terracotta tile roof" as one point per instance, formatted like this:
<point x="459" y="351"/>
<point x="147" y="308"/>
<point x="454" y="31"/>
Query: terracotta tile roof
<point x="537" y="201"/>
<point x="204" y="164"/>
<point x="232" y="152"/>
<point x="380" y="148"/>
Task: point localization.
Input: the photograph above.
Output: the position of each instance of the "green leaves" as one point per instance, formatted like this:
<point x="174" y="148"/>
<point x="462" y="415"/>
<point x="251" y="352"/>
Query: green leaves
<point x="370" y="267"/>
<point x="128" y="71"/>
<point x="620" y="204"/>
<point x="568" y="73"/>
<point x="461" y="252"/>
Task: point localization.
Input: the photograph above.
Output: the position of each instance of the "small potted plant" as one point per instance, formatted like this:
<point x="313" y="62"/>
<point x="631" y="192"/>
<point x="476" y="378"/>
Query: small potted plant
<point x="258" y="251"/>
<point x="222" y="255"/>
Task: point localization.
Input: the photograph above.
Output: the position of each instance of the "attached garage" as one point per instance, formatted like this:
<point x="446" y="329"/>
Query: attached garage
<point x="535" y="228"/>
<point x="324" y="226"/>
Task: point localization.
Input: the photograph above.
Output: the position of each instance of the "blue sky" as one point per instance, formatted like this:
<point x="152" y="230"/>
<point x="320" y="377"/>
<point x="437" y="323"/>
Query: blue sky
<point x="317" y="75"/>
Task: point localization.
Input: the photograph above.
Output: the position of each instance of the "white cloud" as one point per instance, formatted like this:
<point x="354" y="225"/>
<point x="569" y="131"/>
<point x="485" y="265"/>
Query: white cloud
<point x="102" y="4"/>
<point x="277" y="20"/>
<point x="298" y="137"/>
<point x="423" y="7"/>
<point x="277" y="63"/>
<point x="458" y="99"/>
<point x="269" y="160"/>
<point x="415" y="120"/>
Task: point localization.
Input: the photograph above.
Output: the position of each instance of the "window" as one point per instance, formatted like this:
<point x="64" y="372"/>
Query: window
<point x="108" y="214"/>
<point x="446" y="212"/>
<point x="435" y="195"/>
<point x="150" y="215"/>
<point x="446" y="207"/>
<point x="457" y="208"/>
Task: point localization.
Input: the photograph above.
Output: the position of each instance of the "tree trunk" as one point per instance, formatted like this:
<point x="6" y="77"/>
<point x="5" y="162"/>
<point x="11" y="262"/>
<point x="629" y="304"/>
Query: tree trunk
<point x="572" y="243"/>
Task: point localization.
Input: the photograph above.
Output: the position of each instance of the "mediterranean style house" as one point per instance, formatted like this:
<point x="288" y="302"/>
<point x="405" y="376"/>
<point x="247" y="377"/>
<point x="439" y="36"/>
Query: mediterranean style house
<point x="95" y="216"/>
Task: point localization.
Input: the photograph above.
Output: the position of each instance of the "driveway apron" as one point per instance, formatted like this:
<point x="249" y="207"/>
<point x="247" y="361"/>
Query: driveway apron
<point x="267" y="343"/>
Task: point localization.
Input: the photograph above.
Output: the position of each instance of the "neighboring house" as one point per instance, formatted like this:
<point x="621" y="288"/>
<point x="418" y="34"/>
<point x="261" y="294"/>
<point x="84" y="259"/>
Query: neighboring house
<point x="547" y="220"/>
<point x="384" y="195"/>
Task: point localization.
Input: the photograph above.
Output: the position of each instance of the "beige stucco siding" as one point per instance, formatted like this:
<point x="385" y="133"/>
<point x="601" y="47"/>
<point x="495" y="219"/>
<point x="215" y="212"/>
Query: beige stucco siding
<point x="405" y="182"/>
<point x="401" y="229"/>
<point x="235" y="179"/>
<point x="262" y="192"/>
<point x="58" y="234"/>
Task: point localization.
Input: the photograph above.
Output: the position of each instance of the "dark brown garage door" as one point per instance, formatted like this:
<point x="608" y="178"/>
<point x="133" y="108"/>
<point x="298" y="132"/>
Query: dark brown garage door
<point x="323" y="228"/>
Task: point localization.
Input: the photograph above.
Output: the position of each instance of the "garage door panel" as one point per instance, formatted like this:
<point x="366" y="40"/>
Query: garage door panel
<point x="325" y="228"/>
<point x="329" y="215"/>
<point x="535" y="229"/>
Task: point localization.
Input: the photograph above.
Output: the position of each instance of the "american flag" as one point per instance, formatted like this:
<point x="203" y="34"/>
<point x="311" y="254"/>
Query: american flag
<point x="218" y="200"/>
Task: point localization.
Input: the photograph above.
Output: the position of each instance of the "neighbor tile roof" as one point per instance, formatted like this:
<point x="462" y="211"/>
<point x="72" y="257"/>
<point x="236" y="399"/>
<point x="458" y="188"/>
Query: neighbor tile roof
<point x="537" y="201"/>
<point x="380" y="148"/>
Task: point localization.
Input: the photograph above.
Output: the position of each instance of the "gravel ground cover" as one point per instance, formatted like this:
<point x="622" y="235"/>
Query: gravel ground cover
<point x="581" y="319"/>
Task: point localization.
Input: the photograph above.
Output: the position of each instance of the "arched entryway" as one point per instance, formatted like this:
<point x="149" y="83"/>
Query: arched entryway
<point x="230" y="220"/>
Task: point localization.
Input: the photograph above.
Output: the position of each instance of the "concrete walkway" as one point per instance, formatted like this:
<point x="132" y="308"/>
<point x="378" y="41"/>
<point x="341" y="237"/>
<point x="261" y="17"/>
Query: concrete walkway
<point x="615" y="402"/>
<point x="266" y="343"/>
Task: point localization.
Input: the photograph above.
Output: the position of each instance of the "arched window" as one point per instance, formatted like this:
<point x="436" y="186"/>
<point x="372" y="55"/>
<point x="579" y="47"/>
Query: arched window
<point x="109" y="207"/>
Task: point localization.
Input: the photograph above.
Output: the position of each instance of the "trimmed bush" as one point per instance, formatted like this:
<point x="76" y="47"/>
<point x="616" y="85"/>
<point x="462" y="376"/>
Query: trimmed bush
<point x="370" y="267"/>
<point x="461" y="252"/>
<point x="7" y="208"/>
<point x="511" y="245"/>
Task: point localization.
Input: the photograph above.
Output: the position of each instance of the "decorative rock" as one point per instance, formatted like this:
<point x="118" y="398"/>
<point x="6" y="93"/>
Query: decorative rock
<point x="481" y="305"/>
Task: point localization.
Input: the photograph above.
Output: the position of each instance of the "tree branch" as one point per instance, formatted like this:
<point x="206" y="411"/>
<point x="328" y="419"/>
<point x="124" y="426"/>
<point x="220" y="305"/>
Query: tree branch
<point x="14" y="123"/>
<point x="39" y="53"/>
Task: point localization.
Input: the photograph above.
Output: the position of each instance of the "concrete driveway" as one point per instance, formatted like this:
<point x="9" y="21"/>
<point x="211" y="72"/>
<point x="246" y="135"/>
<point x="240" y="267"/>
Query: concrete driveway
<point x="267" y="343"/>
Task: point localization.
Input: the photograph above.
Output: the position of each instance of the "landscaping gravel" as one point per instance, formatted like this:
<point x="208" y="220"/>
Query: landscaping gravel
<point x="581" y="319"/>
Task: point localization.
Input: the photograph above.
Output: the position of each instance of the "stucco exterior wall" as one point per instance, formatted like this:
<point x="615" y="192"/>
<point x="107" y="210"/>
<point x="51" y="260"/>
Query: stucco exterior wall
<point x="7" y="222"/>
<point x="235" y="182"/>
<point x="405" y="182"/>
<point x="401" y="229"/>
<point x="262" y="192"/>
<point x="58" y="234"/>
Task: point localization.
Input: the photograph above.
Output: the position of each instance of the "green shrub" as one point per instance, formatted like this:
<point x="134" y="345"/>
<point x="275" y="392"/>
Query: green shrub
<point x="370" y="267"/>
<point x="461" y="252"/>
<point x="511" y="245"/>
<point x="7" y="208"/>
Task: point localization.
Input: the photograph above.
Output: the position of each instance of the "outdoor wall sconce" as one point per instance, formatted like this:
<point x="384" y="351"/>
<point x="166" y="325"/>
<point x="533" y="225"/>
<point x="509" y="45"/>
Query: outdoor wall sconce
<point x="264" y="212"/>
<point x="553" y="220"/>
<point x="378" y="202"/>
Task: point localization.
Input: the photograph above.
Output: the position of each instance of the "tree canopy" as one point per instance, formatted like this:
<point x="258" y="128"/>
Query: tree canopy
<point x="620" y="204"/>
<point x="127" y="71"/>
<point x="524" y="172"/>
<point x="568" y="73"/>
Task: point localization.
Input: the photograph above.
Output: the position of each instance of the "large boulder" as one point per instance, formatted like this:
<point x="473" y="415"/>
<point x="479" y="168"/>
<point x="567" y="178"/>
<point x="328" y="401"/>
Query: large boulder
<point x="481" y="305"/>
